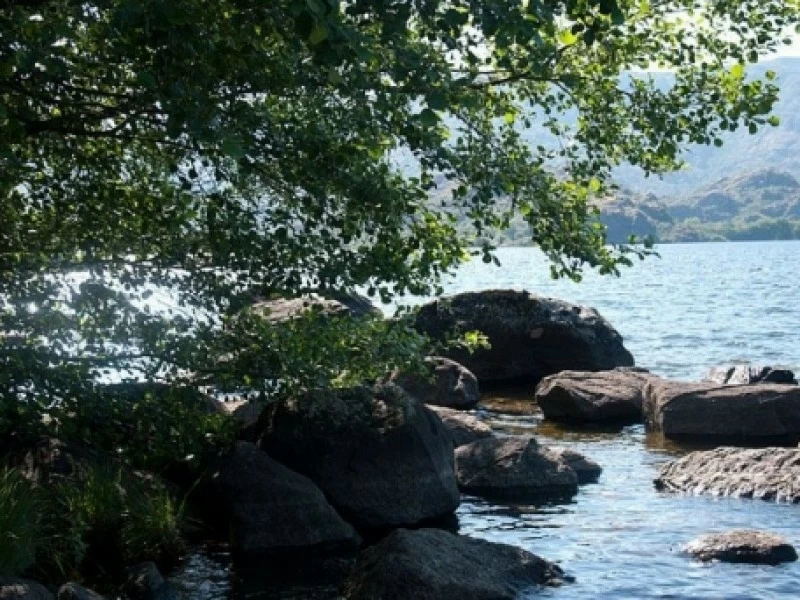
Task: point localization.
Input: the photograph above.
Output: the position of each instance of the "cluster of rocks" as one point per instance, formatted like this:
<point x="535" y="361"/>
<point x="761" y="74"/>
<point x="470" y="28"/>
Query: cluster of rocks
<point x="330" y="472"/>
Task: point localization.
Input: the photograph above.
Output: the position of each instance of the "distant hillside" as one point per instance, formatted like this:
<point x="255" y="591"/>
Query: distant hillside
<point x="758" y="205"/>
<point x="744" y="190"/>
<point x="771" y="148"/>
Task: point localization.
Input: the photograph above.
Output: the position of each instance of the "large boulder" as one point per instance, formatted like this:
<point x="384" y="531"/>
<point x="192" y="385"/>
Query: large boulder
<point x="463" y="427"/>
<point x="513" y="468"/>
<point x="431" y="564"/>
<point x="746" y="374"/>
<point x="762" y="473"/>
<point x="742" y="546"/>
<point x="530" y="336"/>
<point x="380" y="456"/>
<point x="737" y="413"/>
<point x="75" y="591"/>
<point x="614" y="396"/>
<point x="452" y="384"/>
<point x="269" y="509"/>
<point x="12" y="588"/>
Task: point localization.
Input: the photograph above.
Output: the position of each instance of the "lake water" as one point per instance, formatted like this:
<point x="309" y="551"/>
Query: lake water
<point x="697" y="306"/>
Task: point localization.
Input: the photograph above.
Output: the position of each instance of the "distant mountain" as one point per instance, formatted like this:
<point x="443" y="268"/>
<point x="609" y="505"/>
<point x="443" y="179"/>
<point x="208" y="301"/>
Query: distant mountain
<point x="761" y="204"/>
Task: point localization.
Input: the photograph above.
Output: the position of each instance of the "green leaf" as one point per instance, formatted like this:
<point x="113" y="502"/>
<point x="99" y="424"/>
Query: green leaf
<point x="318" y="34"/>
<point x="429" y="118"/>
<point x="232" y="147"/>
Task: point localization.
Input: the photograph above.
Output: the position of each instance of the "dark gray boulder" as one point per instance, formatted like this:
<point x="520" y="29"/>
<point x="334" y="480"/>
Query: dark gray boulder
<point x="587" y="470"/>
<point x="452" y="385"/>
<point x="463" y="427"/>
<point x="747" y="374"/>
<point x="431" y="564"/>
<point x="614" y="396"/>
<point x="761" y="473"/>
<point x="271" y="510"/>
<point x="75" y="591"/>
<point x="513" y="468"/>
<point x="531" y="337"/>
<point x="380" y="456"/>
<point x="12" y="588"/>
<point x="755" y="413"/>
<point x="742" y="546"/>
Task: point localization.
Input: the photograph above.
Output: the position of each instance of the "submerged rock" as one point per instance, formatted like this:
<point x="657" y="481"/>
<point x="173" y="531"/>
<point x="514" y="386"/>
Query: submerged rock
<point x="12" y="588"/>
<point x="513" y="468"/>
<point x="748" y="374"/>
<point x="270" y="509"/>
<point x="464" y="428"/>
<point x="762" y="473"/>
<point x="452" y="386"/>
<point x="588" y="397"/>
<point x="530" y="336"/>
<point x="380" y="456"/>
<point x="431" y="564"/>
<point x="278" y="310"/>
<point x="743" y="546"/>
<point x="739" y="414"/>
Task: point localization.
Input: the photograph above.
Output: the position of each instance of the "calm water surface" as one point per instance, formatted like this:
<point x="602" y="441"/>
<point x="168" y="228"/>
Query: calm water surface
<point x="697" y="306"/>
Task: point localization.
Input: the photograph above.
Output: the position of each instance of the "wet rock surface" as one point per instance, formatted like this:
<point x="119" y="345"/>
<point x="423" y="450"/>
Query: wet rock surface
<point x="614" y="396"/>
<point x="762" y="473"/>
<point x="742" y="546"/>
<point x="430" y="564"/>
<point x="747" y="374"/>
<point x="513" y="468"/>
<point x="738" y="414"/>
<point x="530" y="336"/>
<point x="380" y="456"/>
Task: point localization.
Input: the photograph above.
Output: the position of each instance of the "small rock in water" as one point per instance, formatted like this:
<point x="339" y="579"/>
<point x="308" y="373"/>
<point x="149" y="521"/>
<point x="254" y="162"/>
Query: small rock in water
<point x="513" y="468"/>
<point x="743" y="546"/>
<point x="585" y="468"/>
<point x="12" y="588"/>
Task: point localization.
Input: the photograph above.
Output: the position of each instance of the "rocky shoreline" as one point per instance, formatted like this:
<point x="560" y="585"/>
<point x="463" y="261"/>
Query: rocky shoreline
<point x="372" y="474"/>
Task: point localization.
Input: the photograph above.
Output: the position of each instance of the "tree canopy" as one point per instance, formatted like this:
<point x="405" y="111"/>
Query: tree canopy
<point x="240" y="148"/>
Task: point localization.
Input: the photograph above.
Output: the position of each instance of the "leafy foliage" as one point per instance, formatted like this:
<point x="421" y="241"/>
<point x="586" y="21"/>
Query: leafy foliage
<point x="20" y="535"/>
<point x="164" y="161"/>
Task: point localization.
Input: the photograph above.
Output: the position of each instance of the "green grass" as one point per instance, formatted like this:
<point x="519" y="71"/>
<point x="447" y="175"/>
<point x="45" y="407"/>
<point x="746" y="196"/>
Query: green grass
<point x="20" y="531"/>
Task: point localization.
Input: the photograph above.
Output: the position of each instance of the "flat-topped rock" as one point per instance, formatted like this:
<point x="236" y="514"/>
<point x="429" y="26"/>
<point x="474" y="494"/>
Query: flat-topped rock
<point x="513" y="468"/>
<point x="748" y="374"/>
<point x="531" y="337"/>
<point x="762" y="473"/>
<point x="463" y="427"/>
<point x="742" y="546"/>
<point x="614" y="396"/>
<point x="431" y="564"/>
<point x="452" y="385"/>
<point x="757" y="413"/>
